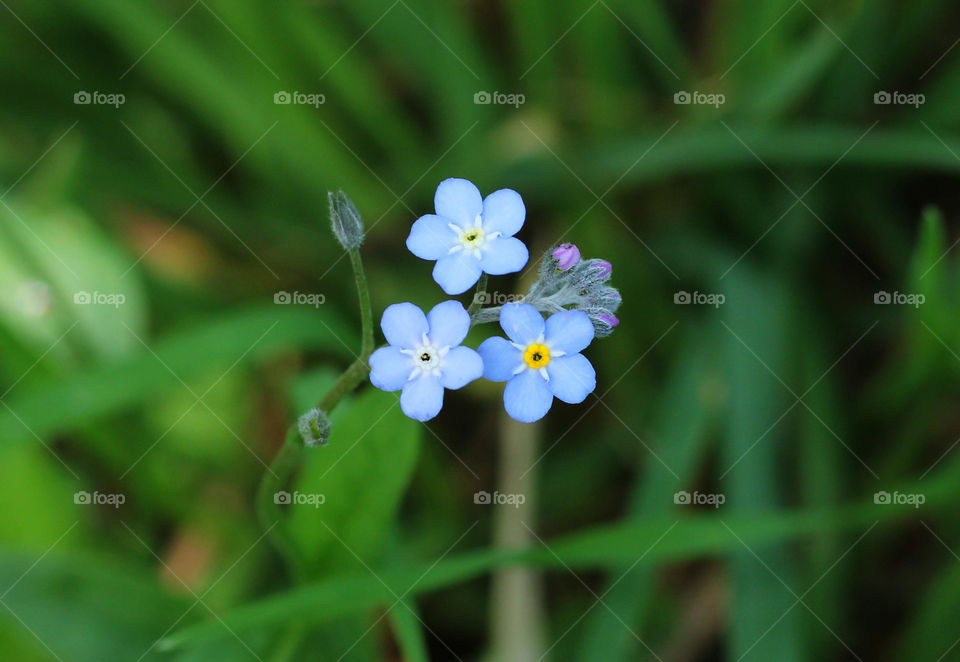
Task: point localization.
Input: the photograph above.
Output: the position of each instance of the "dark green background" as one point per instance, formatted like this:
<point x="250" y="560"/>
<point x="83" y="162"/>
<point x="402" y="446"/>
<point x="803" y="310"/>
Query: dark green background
<point x="798" y="199"/>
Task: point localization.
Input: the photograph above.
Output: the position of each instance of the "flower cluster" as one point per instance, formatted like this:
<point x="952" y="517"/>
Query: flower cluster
<point x="540" y="359"/>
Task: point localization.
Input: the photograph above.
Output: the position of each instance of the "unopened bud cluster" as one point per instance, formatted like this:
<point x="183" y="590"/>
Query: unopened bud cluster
<point x="568" y="282"/>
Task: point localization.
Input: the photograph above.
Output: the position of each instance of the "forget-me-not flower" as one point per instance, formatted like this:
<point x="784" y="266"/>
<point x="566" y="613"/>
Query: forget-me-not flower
<point x="541" y="360"/>
<point x="425" y="356"/>
<point x="470" y="235"/>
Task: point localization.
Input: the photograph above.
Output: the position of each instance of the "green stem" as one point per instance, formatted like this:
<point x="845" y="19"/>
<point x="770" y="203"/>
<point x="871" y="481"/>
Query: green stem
<point x="290" y="455"/>
<point x="366" y="312"/>
<point x="357" y="372"/>
<point x="268" y="511"/>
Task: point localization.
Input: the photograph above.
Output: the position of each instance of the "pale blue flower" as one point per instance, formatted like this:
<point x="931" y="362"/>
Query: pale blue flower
<point x="470" y="235"/>
<point x="424" y="356"/>
<point x="541" y="360"/>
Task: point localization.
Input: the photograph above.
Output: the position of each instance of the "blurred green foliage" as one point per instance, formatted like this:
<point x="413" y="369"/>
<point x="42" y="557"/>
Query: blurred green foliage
<point x="183" y="212"/>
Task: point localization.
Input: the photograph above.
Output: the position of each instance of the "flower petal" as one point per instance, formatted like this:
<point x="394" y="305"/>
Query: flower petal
<point x="522" y="322"/>
<point x="500" y="359"/>
<point x="431" y="237"/>
<point x="403" y="325"/>
<point x="457" y="273"/>
<point x="458" y="200"/>
<point x="570" y="331"/>
<point x="527" y="397"/>
<point x="504" y="212"/>
<point x="506" y="255"/>
<point x="461" y="366"/>
<point x="390" y="368"/>
<point x="449" y="322"/>
<point x="422" y="398"/>
<point x="572" y="378"/>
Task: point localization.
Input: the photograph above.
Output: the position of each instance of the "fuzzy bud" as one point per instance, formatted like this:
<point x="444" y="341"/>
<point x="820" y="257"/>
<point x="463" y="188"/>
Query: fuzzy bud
<point x="604" y="324"/>
<point x="607" y="298"/>
<point x="314" y="428"/>
<point x="345" y="220"/>
<point x="566" y="255"/>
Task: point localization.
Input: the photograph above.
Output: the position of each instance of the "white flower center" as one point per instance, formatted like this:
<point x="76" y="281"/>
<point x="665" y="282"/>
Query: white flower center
<point x="537" y="356"/>
<point x="473" y="238"/>
<point x="426" y="358"/>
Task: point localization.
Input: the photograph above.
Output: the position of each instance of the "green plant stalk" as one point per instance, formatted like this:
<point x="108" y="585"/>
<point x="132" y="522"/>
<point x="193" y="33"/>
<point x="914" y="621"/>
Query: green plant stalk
<point x="357" y="372"/>
<point x="291" y="453"/>
<point x="268" y="512"/>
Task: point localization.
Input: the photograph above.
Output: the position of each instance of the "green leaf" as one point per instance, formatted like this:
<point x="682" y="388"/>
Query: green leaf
<point x="86" y="608"/>
<point x="604" y="548"/>
<point x="242" y="337"/>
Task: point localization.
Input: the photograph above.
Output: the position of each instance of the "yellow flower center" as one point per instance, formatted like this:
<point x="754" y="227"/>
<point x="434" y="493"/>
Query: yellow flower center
<point x="473" y="237"/>
<point x="537" y="356"/>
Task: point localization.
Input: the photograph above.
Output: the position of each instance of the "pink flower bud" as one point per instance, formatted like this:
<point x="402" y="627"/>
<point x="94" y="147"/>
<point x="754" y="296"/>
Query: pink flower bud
<point x="566" y="255"/>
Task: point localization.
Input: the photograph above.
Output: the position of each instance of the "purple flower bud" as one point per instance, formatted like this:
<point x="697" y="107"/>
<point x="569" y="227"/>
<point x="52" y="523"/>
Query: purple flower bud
<point x="603" y="267"/>
<point x="609" y="320"/>
<point x="566" y="255"/>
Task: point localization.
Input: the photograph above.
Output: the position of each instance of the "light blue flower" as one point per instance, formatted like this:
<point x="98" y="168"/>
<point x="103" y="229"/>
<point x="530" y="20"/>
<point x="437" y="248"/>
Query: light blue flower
<point x="541" y="361"/>
<point x="424" y="356"/>
<point x="470" y="235"/>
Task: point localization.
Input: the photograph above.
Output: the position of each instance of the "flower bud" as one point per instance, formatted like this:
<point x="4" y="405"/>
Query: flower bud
<point x="607" y="298"/>
<point x="566" y="255"/>
<point x="314" y="428"/>
<point x="345" y="220"/>
<point x="602" y="268"/>
<point x="604" y="324"/>
<point x="590" y="274"/>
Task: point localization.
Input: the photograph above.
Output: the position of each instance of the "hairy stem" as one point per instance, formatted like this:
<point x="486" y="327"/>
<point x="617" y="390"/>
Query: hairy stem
<point x="268" y="511"/>
<point x="366" y="312"/>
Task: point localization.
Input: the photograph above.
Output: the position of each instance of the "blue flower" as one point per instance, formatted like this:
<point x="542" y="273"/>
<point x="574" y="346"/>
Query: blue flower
<point x="470" y="235"/>
<point x="424" y="356"/>
<point x="541" y="361"/>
